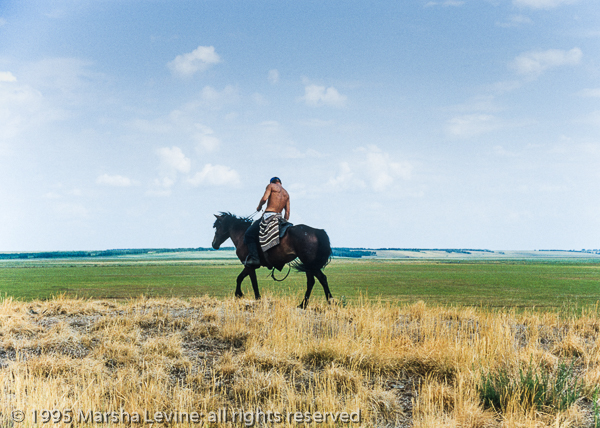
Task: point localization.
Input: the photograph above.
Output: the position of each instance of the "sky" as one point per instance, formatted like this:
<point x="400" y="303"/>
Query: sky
<point x="410" y="124"/>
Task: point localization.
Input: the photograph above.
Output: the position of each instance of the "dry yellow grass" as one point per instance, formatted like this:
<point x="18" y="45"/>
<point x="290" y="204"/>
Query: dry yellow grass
<point x="406" y="366"/>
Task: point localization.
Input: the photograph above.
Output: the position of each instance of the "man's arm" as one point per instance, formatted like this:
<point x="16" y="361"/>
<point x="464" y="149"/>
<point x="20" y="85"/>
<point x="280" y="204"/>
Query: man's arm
<point x="265" y="198"/>
<point x="287" y="209"/>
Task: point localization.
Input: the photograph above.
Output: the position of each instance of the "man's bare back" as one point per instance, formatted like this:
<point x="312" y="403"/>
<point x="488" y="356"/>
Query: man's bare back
<point x="277" y="199"/>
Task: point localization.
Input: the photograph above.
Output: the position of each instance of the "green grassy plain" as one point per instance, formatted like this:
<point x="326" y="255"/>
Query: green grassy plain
<point x="506" y="283"/>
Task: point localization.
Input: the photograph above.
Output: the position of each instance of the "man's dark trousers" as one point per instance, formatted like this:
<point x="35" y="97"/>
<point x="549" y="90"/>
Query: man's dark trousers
<point x="251" y="241"/>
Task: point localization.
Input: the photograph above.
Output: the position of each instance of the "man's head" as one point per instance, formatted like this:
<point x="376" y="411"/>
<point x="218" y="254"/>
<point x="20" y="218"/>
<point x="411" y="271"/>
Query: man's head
<point x="275" y="180"/>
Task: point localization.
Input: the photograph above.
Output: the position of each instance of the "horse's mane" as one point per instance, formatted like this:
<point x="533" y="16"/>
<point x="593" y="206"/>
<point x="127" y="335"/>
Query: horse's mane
<point x="231" y="221"/>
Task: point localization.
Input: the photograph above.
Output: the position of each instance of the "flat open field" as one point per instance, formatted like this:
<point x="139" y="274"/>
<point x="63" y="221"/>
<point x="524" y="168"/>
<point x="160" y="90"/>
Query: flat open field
<point x="557" y="284"/>
<point x="397" y="354"/>
<point x="84" y="362"/>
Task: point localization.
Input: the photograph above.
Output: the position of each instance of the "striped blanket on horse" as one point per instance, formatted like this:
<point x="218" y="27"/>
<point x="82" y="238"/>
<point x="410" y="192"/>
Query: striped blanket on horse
<point x="268" y="235"/>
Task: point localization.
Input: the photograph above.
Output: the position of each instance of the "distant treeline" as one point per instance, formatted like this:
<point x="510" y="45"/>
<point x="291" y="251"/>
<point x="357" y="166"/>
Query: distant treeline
<point x="104" y="253"/>
<point x="447" y="250"/>
<point x="596" y="251"/>
<point x="336" y="252"/>
<point x="352" y="252"/>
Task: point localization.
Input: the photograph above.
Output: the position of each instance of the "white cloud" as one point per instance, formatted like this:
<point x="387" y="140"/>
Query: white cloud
<point x="270" y="126"/>
<point x="482" y="103"/>
<point x="22" y="107"/>
<point x="215" y="99"/>
<point x="71" y="210"/>
<point x="68" y="79"/>
<point x="52" y="195"/>
<point x="381" y="170"/>
<point x="172" y="160"/>
<point x="273" y="76"/>
<point x="315" y="95"/>
<point x="532" y="64"/>
<point x="278" y="141"/>
<point x="502" y="152"/>
<point x="114" y="180"/>
<point x="182" y="124"/>
<point x="591" y="119"/>
<point x="503" y="87"/>
<point x="292" y="152"/>
<point x="198" y="60"/>
<point x="372" y="168"/>
<point x="205" y="138"/>
<point x="515" y="21"/>
<point x="161" y="186"/>
<point x="471" y="125"/>
<point x="7" y="76"/>
<point x="345" y="179"/>
<point x="541" y="4"/>
<point x="589" y="93"/>
<point x="215" y="175"/>
<point x="44" y="93"/>
<point x="158" y="126"/>
<point x="446" y="3"/>
<point x="274" y="134"/>
<point x="317" y="123"/>
<point x="260" y="99"/>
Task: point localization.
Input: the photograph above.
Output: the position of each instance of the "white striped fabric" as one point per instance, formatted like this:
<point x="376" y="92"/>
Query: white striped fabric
<point x="268" y="236"/>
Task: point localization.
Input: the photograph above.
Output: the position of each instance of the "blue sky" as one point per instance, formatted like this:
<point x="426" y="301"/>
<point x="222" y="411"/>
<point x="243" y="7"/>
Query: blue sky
<point x="431" y="124"/>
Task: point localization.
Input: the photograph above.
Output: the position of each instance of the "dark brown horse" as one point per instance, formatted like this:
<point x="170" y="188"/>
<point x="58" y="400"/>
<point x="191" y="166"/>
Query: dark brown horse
<point x="309" y="245"/>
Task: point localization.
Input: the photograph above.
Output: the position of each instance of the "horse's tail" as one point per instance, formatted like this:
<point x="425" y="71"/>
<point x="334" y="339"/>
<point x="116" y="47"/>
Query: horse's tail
<point x="323" y="256"/>
<point x="324" y="251"/>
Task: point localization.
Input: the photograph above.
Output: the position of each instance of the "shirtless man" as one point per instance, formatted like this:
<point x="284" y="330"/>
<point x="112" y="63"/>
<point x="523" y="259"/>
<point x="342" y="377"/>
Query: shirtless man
<point x="278" y="200"/>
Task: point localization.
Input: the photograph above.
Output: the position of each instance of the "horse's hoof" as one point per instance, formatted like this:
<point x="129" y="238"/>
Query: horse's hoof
<point x="257" y="297"/>
<point x="239" y="296"/>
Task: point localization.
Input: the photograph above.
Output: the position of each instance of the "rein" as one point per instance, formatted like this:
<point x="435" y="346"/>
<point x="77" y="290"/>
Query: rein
<point x="272" y="274"/>
<point x="251" y="217"/>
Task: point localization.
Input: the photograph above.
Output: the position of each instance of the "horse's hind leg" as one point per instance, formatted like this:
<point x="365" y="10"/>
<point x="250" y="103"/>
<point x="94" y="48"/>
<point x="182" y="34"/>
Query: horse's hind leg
<point x="323" y="280"/>
<point x="240" y="278"/>
<point x="310" y="282"/>
<point x="254" y="283"/>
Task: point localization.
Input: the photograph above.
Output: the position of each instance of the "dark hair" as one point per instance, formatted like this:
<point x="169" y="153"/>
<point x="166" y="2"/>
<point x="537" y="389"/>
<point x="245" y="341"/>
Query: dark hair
<point x="275" y="180"/>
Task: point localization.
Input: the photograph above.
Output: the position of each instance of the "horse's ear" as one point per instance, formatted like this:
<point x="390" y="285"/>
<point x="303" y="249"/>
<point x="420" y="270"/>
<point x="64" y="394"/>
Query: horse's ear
<point x="217" y="216"/>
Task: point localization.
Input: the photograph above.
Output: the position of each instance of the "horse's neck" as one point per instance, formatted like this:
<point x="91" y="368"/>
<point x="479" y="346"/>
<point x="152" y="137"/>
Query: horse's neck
<point x="237" y="237"/>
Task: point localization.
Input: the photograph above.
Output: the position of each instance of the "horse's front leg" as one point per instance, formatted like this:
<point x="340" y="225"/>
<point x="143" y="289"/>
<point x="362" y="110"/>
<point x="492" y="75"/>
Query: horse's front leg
<point x="240" y="278"/>
<point x="254" y="283"/>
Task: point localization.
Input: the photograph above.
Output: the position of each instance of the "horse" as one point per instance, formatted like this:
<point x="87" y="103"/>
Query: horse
<point x="311" y="246"/>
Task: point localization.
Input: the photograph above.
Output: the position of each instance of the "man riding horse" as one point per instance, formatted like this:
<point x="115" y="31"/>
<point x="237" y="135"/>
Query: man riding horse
<point x="311" y="246"/>
<point x="277" y="200"/>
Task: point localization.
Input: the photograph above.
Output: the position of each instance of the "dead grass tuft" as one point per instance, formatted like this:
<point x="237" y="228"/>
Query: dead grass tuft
<point x="384" y="405"/>
<point x="168" y="347"/>
<point x="319" y="354"/>
<point x="227" y="365"/>
<point x="201" y="330"/>
<point x="270" y="361"/>
<point x="343" y="381"/>
<point x="572" y="346"/>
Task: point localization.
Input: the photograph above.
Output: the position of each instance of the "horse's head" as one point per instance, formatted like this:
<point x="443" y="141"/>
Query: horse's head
<point x="221" y="231"/>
